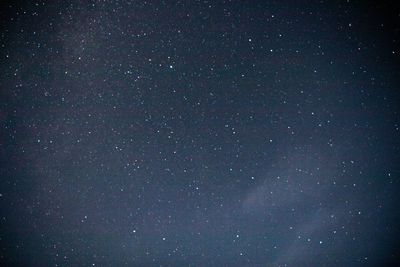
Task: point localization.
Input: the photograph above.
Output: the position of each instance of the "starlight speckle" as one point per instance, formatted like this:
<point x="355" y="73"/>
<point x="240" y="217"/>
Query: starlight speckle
<point x="199" y="133"/>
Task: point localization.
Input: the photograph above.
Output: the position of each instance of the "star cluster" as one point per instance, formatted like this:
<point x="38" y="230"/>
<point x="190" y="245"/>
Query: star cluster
<point x="195" y="133"/>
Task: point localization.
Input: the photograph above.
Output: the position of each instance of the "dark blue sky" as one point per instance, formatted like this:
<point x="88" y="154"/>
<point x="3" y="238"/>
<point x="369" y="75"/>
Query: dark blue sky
<point x="199" y="133"/>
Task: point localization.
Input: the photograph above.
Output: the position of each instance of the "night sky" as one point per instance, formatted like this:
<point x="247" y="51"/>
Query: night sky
<point x="199" y="133"/>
